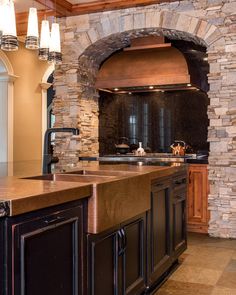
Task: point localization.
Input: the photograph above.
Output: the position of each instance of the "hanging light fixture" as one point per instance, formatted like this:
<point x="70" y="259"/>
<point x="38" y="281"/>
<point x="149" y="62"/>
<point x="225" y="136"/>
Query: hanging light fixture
<point x="44" y="40"/>
<point x="9" y="40"/>
<point x="55" y="55"/>
<point x="32" y="39"/>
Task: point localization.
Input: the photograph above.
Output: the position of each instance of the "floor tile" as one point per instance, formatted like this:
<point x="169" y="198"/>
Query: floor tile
<point x="223" y="291"/>
<point x="231" y="267"/>
<point x="207" y="267"/>
<point x="200" y="275"/>
<point x="219" y="243"/>
<point x="234" y="255"/>
<point x="211" y="258"/>
<point x="227" y="280"/>
<point x="179" y="288"/>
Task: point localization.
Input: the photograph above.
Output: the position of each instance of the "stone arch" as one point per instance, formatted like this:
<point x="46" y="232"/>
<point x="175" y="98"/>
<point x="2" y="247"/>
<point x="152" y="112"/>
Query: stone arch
<point x="76" y="99"/>
<point x="91" y="41"/>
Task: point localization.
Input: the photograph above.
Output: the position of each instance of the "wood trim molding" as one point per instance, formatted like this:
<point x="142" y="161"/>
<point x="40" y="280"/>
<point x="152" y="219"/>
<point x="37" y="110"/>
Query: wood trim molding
<point x="98" y="6"/>
<point x="61" y="7"/>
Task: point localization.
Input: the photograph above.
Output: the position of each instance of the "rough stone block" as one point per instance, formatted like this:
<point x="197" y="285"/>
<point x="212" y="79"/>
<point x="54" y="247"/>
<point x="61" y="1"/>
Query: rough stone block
<point x="139" y="21"/>
<point x="81" y="22"/>
<point x="219" y="147"/>
<point x="153" y="19"/>
<point x="126" y="23"/>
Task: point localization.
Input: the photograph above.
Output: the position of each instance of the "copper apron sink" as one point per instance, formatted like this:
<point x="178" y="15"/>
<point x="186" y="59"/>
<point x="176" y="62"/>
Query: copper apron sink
<point x="116" y="196"/>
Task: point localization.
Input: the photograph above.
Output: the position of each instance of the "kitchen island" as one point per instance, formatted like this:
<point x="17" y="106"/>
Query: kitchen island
<point x="103" y="229"/>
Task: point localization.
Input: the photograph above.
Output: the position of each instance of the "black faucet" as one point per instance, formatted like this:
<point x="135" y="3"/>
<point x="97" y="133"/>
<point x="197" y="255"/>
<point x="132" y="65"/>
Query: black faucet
<point x="48" y="158"/>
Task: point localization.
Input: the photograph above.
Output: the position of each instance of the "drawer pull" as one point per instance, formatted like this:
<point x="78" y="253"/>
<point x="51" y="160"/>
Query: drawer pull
<point x="53" y="220"/>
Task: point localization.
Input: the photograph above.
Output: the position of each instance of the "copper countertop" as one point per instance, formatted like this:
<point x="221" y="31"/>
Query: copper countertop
<point x="18" y="196"/>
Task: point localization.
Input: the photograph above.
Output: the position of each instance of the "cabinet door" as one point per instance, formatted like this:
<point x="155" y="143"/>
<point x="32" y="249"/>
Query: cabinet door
<point x="198" y="215"/>
<point x="47" y="254"/>
<point x="179" y="236"/>
<point x="104" y="263"/>
<point x="134" y="278"/>
<point x="159" y="236"/>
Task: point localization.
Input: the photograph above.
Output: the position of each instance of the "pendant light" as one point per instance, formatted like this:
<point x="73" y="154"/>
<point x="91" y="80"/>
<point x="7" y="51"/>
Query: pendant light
<point x="44" y="40"/>
<point x="32" y="39"/>
<point x="55" y="55"/>
<point x="9" y="40"/>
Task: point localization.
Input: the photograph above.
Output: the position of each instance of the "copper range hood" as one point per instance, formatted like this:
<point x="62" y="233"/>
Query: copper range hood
<point x="148" y="64"/>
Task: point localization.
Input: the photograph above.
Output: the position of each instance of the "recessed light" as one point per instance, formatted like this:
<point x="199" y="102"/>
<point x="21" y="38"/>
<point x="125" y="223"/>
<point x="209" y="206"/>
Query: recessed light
<point x="116" y="89"/>
<point x="205" y="58"/>
<point x="151" y="87"/>
<point x="130" y="93"/>
<point x="189" y="85"/>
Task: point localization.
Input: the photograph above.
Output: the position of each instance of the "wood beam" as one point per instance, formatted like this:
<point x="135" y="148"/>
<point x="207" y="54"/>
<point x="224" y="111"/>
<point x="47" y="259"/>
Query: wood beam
<point x="97" y="6"/>
<point x="60" y="7"/>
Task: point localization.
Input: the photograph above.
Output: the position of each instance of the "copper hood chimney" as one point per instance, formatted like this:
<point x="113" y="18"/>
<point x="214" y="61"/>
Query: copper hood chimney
<point x="147" y="62"/>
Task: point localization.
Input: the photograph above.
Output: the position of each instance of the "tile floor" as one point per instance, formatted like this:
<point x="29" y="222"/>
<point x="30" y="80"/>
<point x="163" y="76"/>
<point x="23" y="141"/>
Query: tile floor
<point x="207" y="267"/>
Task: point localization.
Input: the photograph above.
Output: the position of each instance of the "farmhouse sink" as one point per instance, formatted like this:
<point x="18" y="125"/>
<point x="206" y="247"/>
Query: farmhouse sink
<point x="101" y="172"/>
<point x="116" y="195"/>
<point x="73" y="177"/>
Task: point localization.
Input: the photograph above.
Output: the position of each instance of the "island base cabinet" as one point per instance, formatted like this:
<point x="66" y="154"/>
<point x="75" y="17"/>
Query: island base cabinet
<point x="46" y="252"/>
<point x="179" y="230"/>
<point x="117" y="259"/>
<point x="159" y="236"/>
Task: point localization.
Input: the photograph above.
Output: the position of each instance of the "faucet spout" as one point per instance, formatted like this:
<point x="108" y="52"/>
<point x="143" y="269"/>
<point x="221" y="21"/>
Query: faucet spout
<point x="47" y="152"/>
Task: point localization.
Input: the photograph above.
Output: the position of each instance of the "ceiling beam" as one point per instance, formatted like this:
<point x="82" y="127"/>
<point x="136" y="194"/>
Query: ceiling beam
<point x="97" y="6"/>
<point x="60" y="7"/>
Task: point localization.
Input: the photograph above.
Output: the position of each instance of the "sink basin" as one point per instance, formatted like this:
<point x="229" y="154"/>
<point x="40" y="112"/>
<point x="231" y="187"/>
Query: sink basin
<point x="100" y="172"/>
<point x="73" y="178"/>
<point x="116" y="195"/>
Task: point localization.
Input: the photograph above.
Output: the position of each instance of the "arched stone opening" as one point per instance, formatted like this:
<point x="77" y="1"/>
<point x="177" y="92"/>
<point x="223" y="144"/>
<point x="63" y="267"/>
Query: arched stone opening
<point x="90" y="39"/>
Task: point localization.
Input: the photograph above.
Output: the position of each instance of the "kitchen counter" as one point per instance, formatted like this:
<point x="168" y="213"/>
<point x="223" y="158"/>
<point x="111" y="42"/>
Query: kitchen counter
<point x="105" y="213"/>
<point x="18" y="196"/>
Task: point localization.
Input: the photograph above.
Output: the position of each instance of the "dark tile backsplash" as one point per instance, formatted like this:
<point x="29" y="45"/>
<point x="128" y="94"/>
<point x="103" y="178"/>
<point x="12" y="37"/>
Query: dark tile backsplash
<point x="154" y="118"/>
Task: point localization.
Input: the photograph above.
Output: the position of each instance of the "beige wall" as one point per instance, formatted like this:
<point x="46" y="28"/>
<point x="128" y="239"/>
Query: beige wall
<point x="27" y="142"/>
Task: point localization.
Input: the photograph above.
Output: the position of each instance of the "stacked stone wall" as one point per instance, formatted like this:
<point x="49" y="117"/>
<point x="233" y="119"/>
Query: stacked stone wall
<point x="88" y="40"/>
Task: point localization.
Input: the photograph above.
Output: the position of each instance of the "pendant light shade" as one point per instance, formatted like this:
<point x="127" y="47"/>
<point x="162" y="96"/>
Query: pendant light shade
<point x="9" y="40"/>
<point x="44" y="40"/>
<point x="55" y="55"/>
<point x="32" y="39"/>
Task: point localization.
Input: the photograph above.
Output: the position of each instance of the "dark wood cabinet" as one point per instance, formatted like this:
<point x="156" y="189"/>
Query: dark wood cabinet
<point x="159" y="230"/>
<point x="117" y="259"/>
<point x="198" y="189"/>
<point x="167" y="225"/>
<point x="43" y="252"/>
<point x="134" y="258"/>
<point x="179" y="230"/>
